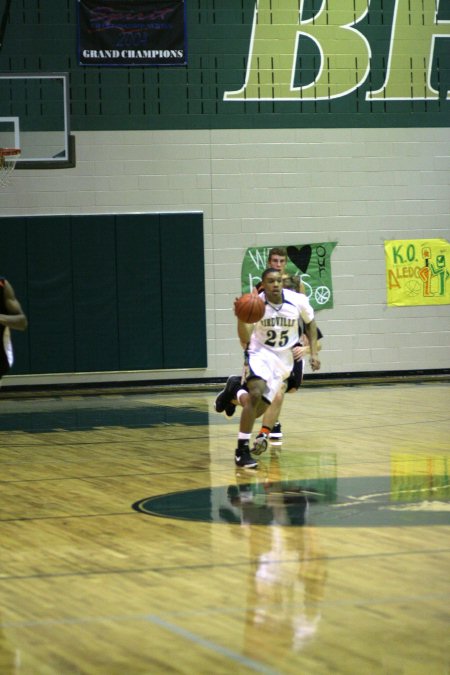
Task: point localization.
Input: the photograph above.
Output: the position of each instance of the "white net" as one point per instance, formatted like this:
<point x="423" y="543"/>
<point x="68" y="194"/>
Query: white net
<point x="8" y="158"/>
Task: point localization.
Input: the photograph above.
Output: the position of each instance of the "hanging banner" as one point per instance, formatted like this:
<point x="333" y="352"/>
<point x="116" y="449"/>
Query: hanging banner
<point x="133" y="33"/>
<point x="417" y="272"/>
<point x="310" y="262"/>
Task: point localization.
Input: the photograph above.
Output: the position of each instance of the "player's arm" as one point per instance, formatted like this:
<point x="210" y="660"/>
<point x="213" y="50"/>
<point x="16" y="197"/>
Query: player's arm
<point x="307" y="314"/>
<point x="305" y="342"/>
<point x="311" y="334"/>
<point x="15" y="317"/>
<point x="245" y="331"/>
<point x="301" y="350"/>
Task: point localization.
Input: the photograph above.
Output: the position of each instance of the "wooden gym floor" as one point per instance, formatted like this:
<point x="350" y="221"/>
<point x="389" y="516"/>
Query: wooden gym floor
<point x="333" y="558"/>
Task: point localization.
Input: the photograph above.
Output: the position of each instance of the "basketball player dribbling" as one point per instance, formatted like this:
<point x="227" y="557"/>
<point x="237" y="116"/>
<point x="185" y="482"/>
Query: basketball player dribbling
<point x="271" y="346"/>
<point x="271" y="426"/>
<point x="236" y="393"/>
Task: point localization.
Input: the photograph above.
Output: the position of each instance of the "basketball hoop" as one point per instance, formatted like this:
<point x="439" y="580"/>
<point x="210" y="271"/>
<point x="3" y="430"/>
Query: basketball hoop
<point x="8" y="158"/>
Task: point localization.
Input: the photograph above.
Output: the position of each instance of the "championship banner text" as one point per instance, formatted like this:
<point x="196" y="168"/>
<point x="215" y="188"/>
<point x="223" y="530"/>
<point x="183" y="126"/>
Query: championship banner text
<point x="417" y="272"/>
<point x="133" y="33"/>
<point x="310" y="262"/>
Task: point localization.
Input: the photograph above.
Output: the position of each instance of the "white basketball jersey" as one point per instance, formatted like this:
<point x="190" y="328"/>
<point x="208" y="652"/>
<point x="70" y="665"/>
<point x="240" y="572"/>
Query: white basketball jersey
<point x="278" y="329"/>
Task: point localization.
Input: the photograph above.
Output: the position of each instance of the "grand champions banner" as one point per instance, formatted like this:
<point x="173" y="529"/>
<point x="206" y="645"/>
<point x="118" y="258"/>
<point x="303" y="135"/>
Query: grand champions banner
<point x="310" y="262"/>
<point x="417" y="272"/>
<point x="133" y="33"/>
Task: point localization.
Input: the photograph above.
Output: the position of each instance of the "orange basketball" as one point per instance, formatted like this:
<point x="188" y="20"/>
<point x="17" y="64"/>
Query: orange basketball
<point x="250" y="308"/>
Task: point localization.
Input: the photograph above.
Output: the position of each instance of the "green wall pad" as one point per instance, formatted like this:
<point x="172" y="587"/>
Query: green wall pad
<point x="107" y="293"/>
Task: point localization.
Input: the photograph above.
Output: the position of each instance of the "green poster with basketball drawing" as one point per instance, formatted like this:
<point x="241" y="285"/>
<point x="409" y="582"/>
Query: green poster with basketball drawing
<point x="310" y="262"/>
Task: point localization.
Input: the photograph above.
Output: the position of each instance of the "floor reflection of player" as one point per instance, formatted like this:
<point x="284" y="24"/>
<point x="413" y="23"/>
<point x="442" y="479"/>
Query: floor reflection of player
<point x="288" y="572"/>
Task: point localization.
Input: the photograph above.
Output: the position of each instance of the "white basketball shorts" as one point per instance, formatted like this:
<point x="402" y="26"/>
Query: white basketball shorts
<point x="272" y="367"/>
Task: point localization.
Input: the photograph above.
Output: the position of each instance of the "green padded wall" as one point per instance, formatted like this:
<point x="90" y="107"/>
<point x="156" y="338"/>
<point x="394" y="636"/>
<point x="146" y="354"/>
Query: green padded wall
<point x="49" y="294"/>
<point x="184" y="321"/>
<point x="106" y="292"/>
<point x="94" y="293"/>
<point x="139" y="284"/>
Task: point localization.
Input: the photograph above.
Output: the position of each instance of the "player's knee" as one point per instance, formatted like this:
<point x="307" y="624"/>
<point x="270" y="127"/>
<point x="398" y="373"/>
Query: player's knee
<point x="261" y="408"/>
<point x="255" y="398"/>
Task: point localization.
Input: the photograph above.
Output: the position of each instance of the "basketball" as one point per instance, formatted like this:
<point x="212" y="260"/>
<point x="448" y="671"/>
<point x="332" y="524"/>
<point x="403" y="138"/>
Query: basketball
<point x="249" y="308"/>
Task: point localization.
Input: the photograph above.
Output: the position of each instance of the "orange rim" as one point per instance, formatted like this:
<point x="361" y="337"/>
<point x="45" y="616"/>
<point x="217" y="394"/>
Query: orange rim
<point x="9" y="152"/>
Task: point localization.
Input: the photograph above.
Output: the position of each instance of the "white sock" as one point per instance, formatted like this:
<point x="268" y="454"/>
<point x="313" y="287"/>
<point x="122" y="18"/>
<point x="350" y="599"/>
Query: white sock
<point x="239" y="394"/>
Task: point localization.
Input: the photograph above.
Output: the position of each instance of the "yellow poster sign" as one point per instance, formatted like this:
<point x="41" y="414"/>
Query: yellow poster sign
<point x="417" y="272"/>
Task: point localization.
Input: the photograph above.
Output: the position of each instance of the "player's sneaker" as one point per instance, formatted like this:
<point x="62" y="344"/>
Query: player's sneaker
<point x="230" y="409"/>
<point x="224" y="398"/>
<point x="243" y="458"/>
<point x="260" y="444"/>
<point x="276" y="433"/>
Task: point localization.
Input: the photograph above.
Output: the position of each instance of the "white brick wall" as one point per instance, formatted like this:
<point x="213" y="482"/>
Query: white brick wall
<point x="259" y="187"/>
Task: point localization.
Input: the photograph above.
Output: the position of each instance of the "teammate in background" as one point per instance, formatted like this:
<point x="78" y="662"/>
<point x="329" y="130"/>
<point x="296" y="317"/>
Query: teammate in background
<point x="11" y="317"/>
<point x="277" y="259"/>
<point x="272" y="348"/>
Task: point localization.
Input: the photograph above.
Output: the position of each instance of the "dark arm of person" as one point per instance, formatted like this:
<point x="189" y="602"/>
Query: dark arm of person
<point x="15" y="317"/>
<point x="245" y="331"/>
<point x="311" y="334"/>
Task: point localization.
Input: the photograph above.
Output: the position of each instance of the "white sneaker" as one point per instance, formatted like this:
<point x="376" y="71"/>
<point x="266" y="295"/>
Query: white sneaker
<point x="260" y="444"/>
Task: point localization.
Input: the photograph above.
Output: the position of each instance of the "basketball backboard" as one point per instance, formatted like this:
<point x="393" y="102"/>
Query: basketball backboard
<point x="34" y="116"/>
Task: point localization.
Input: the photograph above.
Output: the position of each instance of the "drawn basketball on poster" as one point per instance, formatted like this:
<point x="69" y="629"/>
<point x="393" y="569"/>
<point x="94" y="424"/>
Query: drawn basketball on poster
<point x="322" y="294"/>
<point x="413" y="288"/>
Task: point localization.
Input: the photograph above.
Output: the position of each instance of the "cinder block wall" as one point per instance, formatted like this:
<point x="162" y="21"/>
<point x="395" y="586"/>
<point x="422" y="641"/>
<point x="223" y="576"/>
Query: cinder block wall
<point x="358" y="187"/>
<point x="347" y="169"/>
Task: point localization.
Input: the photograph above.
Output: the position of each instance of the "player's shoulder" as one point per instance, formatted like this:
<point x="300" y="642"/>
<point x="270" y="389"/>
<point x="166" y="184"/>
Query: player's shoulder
<point x="290" y="294"/>
<point x="292" y="282"/>
<point x="295" y="297"/>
